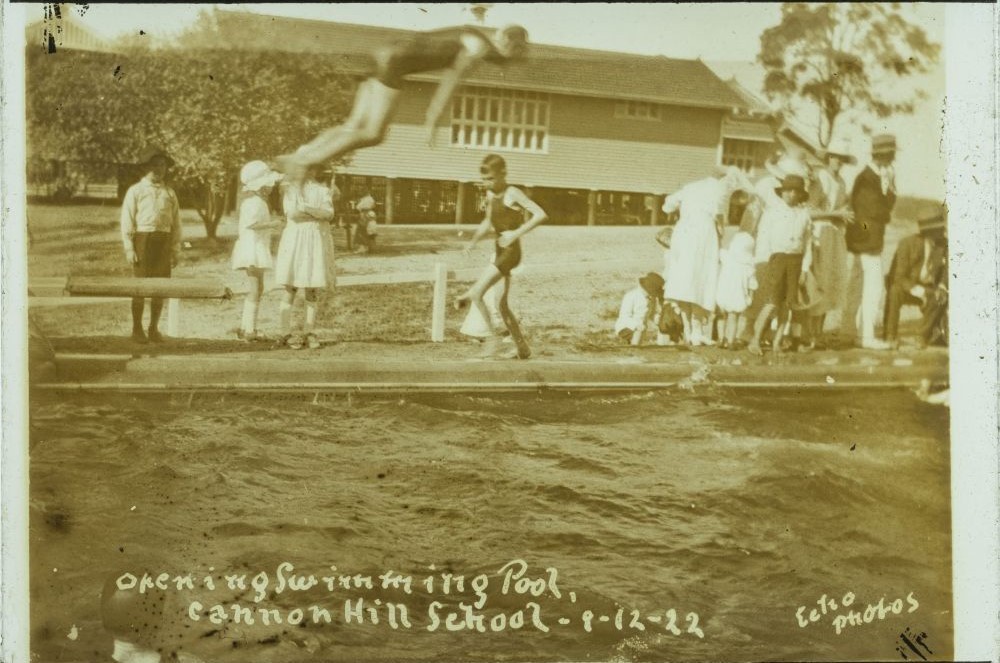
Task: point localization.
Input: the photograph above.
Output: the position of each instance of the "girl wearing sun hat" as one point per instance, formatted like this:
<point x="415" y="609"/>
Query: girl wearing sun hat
<point x="252" y="252"/>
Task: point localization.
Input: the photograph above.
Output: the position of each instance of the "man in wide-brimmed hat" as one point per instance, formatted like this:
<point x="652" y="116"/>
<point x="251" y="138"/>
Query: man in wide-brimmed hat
<point x="918" y="277"/>
<point x="151" y="234"/>
<point x="872" y="200"/>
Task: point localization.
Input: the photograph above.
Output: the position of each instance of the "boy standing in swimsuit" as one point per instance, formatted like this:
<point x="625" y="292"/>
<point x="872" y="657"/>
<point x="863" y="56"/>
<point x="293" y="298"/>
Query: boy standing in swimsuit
<point x="506" y="208"/>
<point x="453" y="52"/>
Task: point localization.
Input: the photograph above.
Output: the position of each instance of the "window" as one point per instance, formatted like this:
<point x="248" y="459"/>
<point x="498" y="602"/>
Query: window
<point x="745" y="154"/>
<point x="637" y="110"/>
<point x="500" y="119"/>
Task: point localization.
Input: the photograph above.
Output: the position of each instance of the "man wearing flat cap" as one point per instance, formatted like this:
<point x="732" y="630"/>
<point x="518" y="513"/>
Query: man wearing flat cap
<point x="151" y="234"/>
<point x="918" y="277"/>
<point x="872" y="200"/>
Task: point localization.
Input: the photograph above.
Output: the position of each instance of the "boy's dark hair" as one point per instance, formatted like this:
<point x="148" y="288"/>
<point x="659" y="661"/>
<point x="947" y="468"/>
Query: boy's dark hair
<point x="494" y="162"/>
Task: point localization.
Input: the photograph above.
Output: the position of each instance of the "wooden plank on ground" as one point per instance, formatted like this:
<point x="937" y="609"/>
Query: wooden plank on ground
<point x="180" y="288"/>
<point x="47" y="286"/>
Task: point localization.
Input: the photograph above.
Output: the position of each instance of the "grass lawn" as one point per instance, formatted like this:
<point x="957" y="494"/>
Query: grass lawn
<point x="560" y="313"/>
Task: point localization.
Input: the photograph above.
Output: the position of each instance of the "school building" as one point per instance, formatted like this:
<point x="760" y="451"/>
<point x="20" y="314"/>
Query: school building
<point x="597" y="137"/>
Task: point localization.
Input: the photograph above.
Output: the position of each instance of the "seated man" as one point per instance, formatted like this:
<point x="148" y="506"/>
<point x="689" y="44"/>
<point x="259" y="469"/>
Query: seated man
<point x="919" y="276"/>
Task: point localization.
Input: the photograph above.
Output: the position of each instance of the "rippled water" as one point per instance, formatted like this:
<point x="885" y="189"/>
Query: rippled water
<point x="740" y="507"/>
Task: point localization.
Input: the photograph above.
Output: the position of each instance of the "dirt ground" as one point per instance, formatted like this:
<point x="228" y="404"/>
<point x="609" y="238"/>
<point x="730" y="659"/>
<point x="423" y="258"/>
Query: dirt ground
<point x="564" y="315"/>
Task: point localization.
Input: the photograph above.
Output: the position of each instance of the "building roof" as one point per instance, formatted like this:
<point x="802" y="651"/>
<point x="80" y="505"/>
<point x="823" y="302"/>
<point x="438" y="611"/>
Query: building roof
<point x="67" y="34"/>
<point x="549" y="68"/>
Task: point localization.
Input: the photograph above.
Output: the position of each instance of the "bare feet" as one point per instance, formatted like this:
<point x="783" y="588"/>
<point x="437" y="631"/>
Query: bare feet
<point x="490" y="346"/>
<point x="754" y="349"/>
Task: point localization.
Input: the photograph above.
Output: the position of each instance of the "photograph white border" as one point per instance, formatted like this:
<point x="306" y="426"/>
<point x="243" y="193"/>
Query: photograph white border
<point x="970" y="136"/>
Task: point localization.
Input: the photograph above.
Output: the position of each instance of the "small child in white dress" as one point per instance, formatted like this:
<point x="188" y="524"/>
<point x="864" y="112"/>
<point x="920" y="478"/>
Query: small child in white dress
<point x="736" y="282"/>
<point x="252" y="251"/>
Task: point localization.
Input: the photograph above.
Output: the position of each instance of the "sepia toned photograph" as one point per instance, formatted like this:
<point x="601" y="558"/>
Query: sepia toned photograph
<point x="493" y="332"/>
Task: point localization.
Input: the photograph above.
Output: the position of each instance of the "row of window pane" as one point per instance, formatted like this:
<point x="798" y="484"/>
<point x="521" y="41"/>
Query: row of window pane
<point x="500" y="119"/>
<point x="468" y="135"/>
<point x="637" y="109"/>
<point x="744" y="154"/>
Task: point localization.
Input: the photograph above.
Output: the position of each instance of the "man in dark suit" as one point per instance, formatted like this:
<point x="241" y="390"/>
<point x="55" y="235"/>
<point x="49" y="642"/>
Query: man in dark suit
<point x="872" y="200"/>
<point x="918" y="276"/>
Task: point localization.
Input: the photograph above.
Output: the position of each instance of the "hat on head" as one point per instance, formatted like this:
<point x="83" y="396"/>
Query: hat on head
<point x="256" y="175"/>
<point x="151" y="153"/>
<point x="839" y="150"/>
<point x="792" y="183"/>
<point x="652" y="283"/>
<point x="933" y="219"/>
<point x="883" y="144"/>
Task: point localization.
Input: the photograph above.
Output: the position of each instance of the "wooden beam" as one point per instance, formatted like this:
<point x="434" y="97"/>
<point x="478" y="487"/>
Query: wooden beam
<point x="110" y="286"/>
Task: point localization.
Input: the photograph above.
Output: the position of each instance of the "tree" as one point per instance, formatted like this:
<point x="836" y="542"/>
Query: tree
<point x="212" y="110"/>
<point x="826" y="60"/>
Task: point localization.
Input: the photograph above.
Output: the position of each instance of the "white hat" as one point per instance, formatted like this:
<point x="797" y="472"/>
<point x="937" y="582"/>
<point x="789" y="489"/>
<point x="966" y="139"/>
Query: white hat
<point x="788" y="166"/>
<point x="840" y="149"/>
<point x="256" y="175"/>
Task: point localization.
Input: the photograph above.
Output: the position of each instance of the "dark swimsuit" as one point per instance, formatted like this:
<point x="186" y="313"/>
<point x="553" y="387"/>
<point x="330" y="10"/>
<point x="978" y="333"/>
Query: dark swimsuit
<point x="426" y="52"/>
<point x="504" y="218"/>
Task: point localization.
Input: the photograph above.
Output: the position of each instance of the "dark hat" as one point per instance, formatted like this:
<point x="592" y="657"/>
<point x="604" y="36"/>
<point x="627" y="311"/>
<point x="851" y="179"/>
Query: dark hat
<point x="151" y="153"/>
<point x="652" y="283"/>
<point x="792" y="183"/>
<point x="933" y="218"/>
<point x="883" y="144"/>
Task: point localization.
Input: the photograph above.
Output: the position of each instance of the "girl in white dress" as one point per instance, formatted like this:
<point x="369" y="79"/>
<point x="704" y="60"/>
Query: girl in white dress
<point x="252" y="251"/>
<point x="693" y="269"/>
<point x="736" y="281"/>
<point x="303" y="254"/>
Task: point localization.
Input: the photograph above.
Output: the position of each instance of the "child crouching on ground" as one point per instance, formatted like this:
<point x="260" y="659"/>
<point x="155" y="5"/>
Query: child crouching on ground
<point x="640" y="306"/>
<point x="785" y="236"/>
<point x="736" y="281"/>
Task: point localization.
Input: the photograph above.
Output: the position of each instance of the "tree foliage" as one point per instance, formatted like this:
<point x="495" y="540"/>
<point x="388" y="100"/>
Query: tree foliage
<point x="211" y="110"/>
<point x="838" y="57"/>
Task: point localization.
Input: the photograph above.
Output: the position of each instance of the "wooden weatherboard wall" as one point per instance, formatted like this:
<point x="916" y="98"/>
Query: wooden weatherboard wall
<point x="589" y="147"/>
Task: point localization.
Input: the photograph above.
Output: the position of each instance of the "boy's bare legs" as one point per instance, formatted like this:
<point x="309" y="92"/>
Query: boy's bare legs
<point x="366" y="126"/>
<point x="475" y="295"/>
<point x="763" y="318"/>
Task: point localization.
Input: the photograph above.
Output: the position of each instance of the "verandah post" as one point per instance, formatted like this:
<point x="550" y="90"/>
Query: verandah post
<point x="439" y="306"/>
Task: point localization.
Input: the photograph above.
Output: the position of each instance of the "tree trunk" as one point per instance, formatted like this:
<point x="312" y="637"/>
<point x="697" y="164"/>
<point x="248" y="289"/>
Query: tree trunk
<point x="211" y="210"/>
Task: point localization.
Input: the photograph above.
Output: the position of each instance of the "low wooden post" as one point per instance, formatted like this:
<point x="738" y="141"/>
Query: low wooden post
<point x="440" y="294"/>
<point x="173" y="317"/>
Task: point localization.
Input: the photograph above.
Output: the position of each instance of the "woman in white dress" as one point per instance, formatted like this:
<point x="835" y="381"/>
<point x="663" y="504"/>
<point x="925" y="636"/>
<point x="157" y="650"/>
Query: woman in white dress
<point x="692" y="273"/>
<point x="303" y="255"/>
